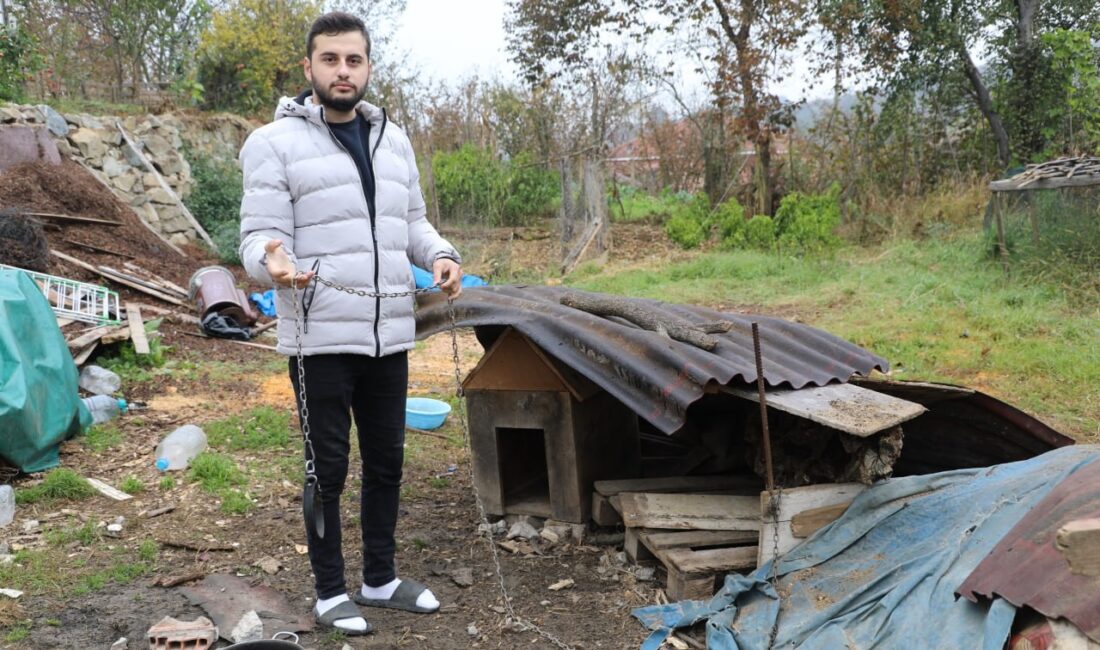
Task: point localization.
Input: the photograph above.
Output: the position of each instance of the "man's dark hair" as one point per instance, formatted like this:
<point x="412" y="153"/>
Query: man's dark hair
<point x="333" y="23"/>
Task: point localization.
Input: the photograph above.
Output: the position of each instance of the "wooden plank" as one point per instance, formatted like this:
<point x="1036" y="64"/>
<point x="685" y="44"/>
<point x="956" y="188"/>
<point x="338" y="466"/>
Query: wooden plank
<point x="792" y="502"/>
<point x="602" y="511"/>
<point x="168" y="283"/>
<point x="659" y="540"/>
<point x="696" y="484"/>
<point x="635" y="550"/>
<point x="846" y="407"/>
<point x="88" y="336"/>
<point x="97" y="249"/>
<point x="1079" y="542"/>
<point x="73" y="218"/>
<point x="690" y="511"/>
<point x="711" y="560"/>
<point x="98" y="271"/>
<point x="107" y="490"/>
<point x="80" y="357"/>
<point x="684" y="587"/>
<point x="807" y="523"/>
<point x="116" y="335"/>
<point x="249" y="344"/>
<point x="167" y="188"/>
<point x="137" y="328"/>
<point x="152" y="286"/>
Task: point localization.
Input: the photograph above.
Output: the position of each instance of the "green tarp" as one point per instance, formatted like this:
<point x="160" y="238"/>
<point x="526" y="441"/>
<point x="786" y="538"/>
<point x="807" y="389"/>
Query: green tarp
<point x="39" y="404"/>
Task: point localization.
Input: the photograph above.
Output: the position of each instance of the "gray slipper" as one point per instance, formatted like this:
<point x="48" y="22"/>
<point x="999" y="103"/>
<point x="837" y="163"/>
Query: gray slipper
<point x="403" y="598"/>
<point x="346" y="609"/>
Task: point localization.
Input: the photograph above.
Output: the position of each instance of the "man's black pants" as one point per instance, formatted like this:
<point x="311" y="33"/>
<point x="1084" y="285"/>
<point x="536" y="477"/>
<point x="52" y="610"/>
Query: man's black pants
<point x="373" y="389"/>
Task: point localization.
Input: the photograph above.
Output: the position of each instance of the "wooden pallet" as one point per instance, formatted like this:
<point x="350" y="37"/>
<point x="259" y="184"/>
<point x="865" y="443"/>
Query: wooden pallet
<point x="696" y="560"/>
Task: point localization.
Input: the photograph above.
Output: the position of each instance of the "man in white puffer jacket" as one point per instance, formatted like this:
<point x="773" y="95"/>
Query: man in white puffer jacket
<point x="331" y="188"/>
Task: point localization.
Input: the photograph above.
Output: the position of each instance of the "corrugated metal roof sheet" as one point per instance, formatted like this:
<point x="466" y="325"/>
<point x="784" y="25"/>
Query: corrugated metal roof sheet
<point x="1025" y="568"/>
<point x="655" y="376"/>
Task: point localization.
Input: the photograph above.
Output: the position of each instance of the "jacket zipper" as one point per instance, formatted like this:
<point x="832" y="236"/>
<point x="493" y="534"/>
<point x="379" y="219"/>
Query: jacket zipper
<point x="370" y="211"/>
<point x="374" y="235"/>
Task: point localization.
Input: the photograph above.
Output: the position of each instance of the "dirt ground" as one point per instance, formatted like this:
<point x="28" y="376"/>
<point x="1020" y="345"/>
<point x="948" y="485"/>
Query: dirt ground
<point x="89" y="592"/>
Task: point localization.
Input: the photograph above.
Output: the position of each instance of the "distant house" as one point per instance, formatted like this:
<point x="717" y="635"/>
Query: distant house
<point x="670" y="155"/>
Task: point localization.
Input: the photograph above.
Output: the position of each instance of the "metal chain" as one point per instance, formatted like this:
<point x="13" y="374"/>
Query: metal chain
<point x="775" y="496"/>
<point x="484" y="520"/>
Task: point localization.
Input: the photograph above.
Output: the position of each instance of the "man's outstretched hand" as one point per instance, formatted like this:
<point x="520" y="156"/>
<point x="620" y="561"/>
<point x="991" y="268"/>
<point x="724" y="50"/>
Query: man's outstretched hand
<point x="281" y="268"/>
<point x="449" y="273"/>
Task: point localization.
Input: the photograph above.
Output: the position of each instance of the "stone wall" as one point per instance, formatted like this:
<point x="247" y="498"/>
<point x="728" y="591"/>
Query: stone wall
<point x="97" y="143"/>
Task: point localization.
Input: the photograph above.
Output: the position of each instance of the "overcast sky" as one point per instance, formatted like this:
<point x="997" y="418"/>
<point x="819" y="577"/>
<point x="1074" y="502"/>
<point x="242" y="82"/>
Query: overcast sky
<point x="450" y="41"/>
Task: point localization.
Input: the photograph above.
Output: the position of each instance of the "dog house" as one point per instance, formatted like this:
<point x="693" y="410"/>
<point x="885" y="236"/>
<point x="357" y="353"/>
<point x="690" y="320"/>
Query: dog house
<point x="541" y="433"/>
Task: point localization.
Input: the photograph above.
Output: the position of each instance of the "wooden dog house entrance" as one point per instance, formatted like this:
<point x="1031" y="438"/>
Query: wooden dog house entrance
<point x="541" y="433"/>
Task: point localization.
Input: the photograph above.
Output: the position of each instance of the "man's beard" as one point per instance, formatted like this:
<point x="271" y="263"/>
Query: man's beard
<point x="337" y="103"/>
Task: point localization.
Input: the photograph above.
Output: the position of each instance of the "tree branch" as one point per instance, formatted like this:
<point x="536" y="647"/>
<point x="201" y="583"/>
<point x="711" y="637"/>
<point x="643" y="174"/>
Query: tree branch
<point x="675" y="328"/>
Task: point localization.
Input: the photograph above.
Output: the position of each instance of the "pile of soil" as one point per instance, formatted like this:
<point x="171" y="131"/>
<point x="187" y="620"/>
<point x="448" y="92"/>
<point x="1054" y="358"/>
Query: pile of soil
<point x="70" y="189"/>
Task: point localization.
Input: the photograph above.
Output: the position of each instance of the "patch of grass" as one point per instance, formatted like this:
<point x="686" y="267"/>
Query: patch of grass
<point x="132" y="485"/>
<point x="214" y="472"/>
<point x="419" y="544"/>
<point x="18" y="632"/>
<point x="53" y="622"/>
<point x="236" y="502"/>
<point x="166" y="483"/>
<point x="58" y="484"/>
<point x="85" y="534"/>
<point x="939" y="310"/>
<point x="438" y="482"/>
<point x="102" y="437"/>
<point x="264" y="427"/>
<point x="147" y="550"/>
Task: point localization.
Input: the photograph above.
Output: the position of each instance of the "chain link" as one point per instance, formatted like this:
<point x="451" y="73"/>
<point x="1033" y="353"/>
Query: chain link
<point x="523" y="623"/>
<point x="775" y="497"/>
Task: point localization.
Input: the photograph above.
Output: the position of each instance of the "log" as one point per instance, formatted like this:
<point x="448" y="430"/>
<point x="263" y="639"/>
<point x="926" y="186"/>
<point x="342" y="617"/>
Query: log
<point x="677" y="329"/>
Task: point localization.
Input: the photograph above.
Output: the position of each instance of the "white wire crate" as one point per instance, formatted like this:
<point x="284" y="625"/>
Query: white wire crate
<point x="76" y="300"/>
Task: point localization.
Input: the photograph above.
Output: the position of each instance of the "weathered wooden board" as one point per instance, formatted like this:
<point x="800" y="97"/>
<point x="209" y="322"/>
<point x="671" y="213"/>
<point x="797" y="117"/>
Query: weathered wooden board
<point x="794" y="501"/>
<point x="714" y="483"/>
<point x="845" y="407"/>
<point x="690" y="511"/>
<point x="137" y="328"/>
<point x="711" y="560"/>
<point x="661" y="540"/>
<point x="807" y="523"/>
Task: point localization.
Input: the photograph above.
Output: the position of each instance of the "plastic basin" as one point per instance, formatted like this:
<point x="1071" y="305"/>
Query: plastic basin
<point x="425" y="412"/>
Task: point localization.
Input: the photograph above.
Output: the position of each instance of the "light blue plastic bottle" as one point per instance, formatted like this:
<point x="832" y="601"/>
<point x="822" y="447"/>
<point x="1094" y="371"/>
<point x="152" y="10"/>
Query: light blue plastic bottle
<point x="104" y="407"/>
<point x="180" y="447"/>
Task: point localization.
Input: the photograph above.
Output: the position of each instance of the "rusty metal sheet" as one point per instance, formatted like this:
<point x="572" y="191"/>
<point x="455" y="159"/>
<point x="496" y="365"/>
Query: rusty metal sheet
<point x="656" y="377"/>
<point x="1026" y="569"/>
<point x="963" y="428"/>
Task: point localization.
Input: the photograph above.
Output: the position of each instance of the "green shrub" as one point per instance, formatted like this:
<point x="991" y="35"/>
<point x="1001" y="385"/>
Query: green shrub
<point x="473" y="186"/>
<point x="637" y="205"/>
<point x="808" y="221"/>
<point x="759" y="232"/>
<point x="729" y="217"/>
<point x="215" y="200"/>
<point x="686" y="230"/>
<point x="19" y="59"/>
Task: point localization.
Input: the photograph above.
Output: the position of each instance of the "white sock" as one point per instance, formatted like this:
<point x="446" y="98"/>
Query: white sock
<point x="426" y="599"/>
<point x="355" y="624"/>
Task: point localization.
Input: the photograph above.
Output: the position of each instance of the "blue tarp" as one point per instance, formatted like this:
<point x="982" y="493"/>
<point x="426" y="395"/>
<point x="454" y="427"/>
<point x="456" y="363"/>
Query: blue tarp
<point x="424" y="279"/>
<point x="884" y="574"/>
